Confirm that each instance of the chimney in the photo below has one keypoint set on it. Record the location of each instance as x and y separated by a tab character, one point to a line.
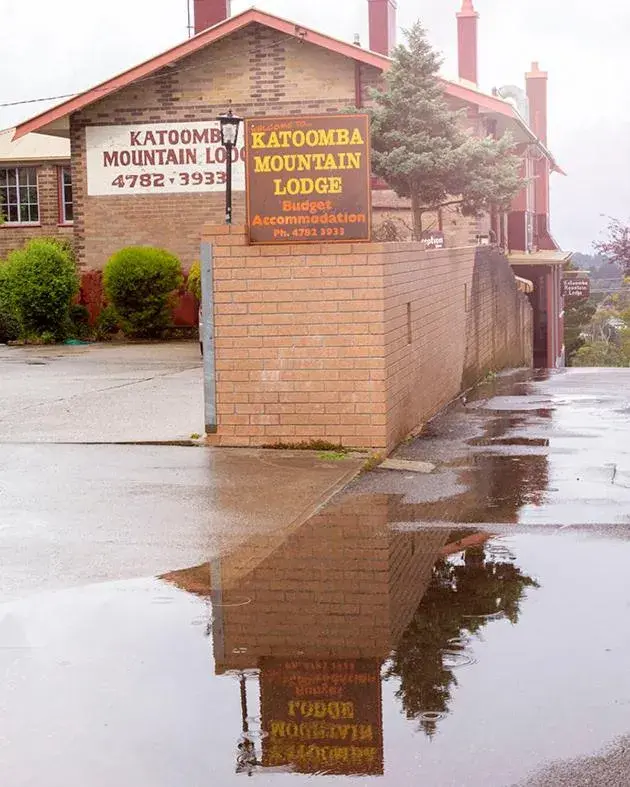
382	26
210	12
467	42
536	81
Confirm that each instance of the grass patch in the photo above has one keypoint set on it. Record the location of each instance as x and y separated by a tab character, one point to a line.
323	446
332	456
373	461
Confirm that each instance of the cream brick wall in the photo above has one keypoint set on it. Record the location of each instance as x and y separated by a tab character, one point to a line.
353	343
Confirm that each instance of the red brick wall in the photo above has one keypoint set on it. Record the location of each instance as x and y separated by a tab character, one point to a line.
13	237
353	343
258	70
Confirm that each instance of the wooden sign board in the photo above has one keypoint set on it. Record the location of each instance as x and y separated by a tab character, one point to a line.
308	179
576	289
322	716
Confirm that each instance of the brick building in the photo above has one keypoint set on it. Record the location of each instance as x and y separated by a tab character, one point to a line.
127	192
255	62
35	189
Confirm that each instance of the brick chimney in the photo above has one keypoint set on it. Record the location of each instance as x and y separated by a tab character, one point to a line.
536	81
210	12
382	25
467	20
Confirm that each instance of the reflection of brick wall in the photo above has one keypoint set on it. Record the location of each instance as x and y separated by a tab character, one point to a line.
353	343
342	586
12	237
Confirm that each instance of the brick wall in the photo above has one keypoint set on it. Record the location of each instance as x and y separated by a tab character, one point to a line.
354	343
12	237
258	70
499	319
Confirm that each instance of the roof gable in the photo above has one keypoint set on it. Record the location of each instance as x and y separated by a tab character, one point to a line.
189	47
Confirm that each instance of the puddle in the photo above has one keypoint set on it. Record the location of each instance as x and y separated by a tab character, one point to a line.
395	634
360	652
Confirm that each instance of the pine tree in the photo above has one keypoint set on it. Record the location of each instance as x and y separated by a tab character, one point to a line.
421	148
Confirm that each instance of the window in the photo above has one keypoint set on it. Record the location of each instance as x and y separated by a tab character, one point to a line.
19	201
66	214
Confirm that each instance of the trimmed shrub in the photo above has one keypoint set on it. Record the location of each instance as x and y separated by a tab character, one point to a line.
107	323
9	323
40	282
79	321
141	282
193	284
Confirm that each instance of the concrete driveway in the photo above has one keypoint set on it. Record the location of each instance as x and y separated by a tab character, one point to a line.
101	393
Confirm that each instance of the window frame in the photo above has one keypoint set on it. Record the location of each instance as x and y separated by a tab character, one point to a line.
16	168
61	196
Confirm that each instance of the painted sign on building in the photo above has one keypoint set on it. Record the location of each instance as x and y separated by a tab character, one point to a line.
576	289
159	158
322	716
308	179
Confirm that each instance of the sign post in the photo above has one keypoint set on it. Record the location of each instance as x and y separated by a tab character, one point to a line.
308	179
207	336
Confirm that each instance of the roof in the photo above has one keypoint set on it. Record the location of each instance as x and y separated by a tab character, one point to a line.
539	257
33	147
55	121
41	122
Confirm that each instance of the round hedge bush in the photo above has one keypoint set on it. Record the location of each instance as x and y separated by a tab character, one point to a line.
40	282
140	282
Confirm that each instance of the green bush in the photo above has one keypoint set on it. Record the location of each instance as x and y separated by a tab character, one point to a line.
9	326
107	323
9	323
65	244
40	281
141	282
79	326
194	280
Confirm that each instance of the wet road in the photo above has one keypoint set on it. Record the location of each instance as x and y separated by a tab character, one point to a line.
463	628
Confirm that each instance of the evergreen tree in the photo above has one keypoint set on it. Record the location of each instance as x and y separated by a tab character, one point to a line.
421	148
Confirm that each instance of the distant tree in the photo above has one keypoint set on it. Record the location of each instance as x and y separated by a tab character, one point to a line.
616	247
577	317
421	148
599	353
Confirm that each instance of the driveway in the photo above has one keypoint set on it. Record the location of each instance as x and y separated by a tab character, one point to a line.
104	393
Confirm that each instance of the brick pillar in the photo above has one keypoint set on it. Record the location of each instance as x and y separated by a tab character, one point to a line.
467	48
382	16
210	12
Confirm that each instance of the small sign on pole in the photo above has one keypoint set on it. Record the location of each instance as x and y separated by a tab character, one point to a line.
308	179
576	289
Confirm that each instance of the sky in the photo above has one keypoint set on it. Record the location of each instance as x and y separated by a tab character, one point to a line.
53	47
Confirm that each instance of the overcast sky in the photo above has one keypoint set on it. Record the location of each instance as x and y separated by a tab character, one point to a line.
52	47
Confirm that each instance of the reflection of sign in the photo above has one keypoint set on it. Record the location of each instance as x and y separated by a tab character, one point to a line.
159	158
308	179
322	716
433	239
576	289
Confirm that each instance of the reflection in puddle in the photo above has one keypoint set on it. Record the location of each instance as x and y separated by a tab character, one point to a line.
343	601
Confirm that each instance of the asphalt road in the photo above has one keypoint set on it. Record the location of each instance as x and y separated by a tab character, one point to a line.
503	664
